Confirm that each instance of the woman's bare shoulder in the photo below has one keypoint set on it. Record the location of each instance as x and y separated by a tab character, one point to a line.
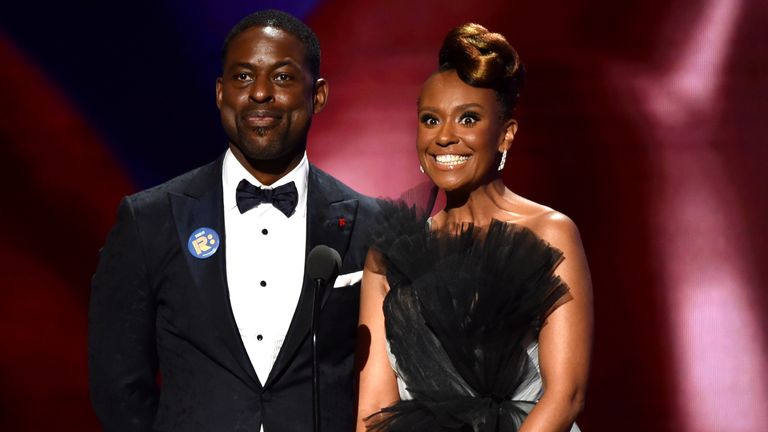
551	225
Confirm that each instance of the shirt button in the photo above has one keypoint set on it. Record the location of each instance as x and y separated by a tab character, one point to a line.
263	283
259	337
264	231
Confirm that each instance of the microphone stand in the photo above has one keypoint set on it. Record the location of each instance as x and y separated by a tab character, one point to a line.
319	283
323	264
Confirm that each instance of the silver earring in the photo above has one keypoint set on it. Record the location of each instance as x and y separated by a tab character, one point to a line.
421	168
503	160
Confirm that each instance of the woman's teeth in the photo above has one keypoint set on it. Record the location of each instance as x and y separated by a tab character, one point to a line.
451	160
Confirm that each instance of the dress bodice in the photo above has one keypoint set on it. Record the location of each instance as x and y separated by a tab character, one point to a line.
462	318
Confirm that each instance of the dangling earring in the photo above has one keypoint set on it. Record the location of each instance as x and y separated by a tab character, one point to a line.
503	160
421	168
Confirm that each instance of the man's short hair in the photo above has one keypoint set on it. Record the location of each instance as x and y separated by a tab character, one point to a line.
283	21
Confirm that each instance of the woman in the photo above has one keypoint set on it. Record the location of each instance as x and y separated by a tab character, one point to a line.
479	318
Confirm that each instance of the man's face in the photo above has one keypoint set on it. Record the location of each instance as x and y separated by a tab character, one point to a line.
267	95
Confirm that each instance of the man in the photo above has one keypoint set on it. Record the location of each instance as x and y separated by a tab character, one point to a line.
202	278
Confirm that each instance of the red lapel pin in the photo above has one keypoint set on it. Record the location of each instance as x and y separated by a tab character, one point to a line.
342	223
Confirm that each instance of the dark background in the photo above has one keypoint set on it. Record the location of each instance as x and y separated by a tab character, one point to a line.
645	121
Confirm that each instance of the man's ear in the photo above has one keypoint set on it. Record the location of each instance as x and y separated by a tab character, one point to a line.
219	83
321	95
510	129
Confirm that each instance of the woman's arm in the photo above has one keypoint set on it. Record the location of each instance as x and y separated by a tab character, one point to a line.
565	340
378	384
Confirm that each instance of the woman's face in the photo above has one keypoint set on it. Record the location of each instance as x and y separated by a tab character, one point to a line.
461	132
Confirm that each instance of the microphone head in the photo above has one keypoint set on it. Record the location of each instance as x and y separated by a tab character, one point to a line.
323	263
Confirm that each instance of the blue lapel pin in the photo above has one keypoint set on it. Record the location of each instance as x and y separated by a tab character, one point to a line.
203	243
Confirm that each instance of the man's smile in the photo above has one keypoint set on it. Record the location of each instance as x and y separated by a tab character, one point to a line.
261	118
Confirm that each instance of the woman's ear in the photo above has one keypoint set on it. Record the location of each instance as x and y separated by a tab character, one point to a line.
510	129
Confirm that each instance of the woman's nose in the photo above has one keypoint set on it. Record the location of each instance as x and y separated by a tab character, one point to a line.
446	135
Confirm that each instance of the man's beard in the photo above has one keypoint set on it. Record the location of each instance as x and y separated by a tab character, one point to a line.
268	142
273	146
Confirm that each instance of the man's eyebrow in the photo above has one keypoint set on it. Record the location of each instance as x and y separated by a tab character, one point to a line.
287	62
243	65
276	65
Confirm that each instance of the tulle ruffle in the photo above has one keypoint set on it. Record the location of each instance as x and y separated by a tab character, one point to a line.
461	311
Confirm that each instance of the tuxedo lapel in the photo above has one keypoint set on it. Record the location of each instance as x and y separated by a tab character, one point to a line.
201	206
330	221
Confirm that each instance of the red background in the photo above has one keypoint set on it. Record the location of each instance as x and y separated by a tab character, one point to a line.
643	121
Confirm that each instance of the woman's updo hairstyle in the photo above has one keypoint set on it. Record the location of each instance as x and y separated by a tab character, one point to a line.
484	59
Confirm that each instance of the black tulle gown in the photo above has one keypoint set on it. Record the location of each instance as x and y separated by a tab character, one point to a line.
462	319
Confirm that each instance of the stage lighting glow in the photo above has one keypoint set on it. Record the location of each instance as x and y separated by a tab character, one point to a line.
723	376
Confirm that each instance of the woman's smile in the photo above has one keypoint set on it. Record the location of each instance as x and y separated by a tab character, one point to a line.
450	161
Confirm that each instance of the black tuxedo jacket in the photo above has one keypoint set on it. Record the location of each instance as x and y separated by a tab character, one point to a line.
154	307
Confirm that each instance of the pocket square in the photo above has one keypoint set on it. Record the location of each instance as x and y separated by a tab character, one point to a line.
348	279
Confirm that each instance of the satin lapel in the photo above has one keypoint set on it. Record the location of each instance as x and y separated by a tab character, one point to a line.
201	207
330	220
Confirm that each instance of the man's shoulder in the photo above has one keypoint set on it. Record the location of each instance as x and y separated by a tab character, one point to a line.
340	190
191	182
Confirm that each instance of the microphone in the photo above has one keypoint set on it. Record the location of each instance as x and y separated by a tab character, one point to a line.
323	264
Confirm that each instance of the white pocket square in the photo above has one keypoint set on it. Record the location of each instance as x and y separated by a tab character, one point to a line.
348	279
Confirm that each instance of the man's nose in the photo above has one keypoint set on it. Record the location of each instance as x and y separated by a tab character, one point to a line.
262	90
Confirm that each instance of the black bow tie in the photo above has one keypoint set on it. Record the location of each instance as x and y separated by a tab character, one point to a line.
284	197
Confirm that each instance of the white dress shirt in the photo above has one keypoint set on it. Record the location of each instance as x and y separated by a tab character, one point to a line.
265	253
